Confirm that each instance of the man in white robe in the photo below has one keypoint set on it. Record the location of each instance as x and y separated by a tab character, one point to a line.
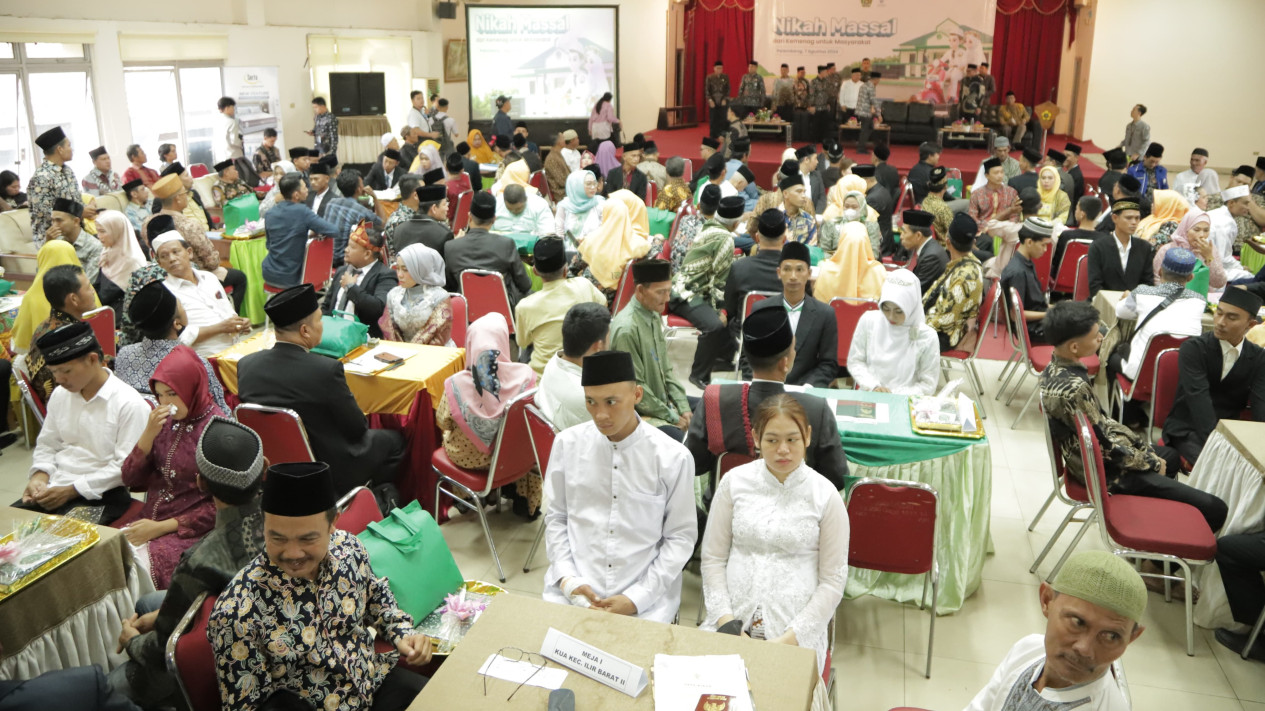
620	524
1224	230
1092	612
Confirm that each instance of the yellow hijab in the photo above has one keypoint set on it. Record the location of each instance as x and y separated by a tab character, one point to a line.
836	196
608	249
1050	197
482	154
637	216
35	307
1168	206
516	173
852	271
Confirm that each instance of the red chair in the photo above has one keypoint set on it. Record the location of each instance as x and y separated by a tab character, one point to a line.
1070	492
1033	360
968	358
281	431
1080	292
460	319
847	314
906	193
1164	378
485	293
1042	266
1147	528
512	459
688	175
102	322
624	292
686	208
318	265
538	181
1139	388
748	305
652	192
541	433
197	170
1065	281
190	659
356	510
32	398
461	216
893	530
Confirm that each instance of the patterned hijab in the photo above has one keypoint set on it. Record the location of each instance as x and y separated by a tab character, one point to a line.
478	395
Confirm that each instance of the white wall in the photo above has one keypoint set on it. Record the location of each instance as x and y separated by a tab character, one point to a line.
1191	64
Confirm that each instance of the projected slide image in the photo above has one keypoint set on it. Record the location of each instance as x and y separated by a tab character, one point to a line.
553	62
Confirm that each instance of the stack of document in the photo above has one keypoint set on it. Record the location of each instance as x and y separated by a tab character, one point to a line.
679	682
367	363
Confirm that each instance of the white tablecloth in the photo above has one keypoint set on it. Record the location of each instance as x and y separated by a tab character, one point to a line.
1224	471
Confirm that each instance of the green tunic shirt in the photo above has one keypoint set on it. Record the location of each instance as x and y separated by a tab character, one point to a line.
640	333
705	268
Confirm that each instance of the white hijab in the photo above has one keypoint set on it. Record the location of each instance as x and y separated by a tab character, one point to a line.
897	343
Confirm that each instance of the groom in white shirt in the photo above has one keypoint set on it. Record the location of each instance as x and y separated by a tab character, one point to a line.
621	524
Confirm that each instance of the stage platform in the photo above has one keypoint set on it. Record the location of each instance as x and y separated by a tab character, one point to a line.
766	154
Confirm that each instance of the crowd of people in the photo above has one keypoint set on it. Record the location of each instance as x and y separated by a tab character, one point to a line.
617	497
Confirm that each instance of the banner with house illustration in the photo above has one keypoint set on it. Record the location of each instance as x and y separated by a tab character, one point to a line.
922	48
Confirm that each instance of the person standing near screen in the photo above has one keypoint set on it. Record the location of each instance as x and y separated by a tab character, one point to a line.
501	123
717	90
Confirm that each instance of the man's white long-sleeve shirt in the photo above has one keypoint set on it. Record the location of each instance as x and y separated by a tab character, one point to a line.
621	516
83	442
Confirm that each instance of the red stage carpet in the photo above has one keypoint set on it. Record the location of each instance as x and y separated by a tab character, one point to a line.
766	154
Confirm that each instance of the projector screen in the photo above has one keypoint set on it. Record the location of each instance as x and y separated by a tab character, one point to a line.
553	62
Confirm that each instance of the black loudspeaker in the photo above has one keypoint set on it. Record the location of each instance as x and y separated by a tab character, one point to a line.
357	93
344	93
446	10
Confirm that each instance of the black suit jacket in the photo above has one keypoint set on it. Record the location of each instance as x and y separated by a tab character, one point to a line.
887	176
377	178
817	191
1203	398
932	262
472	170
1078	187
816	343
1023	180
314	386
824	454
615	181
882	201
755	273
1104	265
421	229
330	195
481	249
919	175
370	295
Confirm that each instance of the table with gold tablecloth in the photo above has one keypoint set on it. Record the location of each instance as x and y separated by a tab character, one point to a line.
360	138
72	616
403	398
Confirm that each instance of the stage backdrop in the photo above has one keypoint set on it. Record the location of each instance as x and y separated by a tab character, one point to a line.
554	62
921	48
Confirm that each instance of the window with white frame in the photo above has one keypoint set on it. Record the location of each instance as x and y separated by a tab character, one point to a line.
42	85
180	100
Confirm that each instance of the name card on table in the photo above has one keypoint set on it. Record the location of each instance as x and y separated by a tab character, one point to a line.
594	663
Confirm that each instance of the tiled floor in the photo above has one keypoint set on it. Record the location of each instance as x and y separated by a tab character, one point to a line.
880	647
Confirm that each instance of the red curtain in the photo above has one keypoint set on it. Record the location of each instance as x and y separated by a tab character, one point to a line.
716	29
1028	47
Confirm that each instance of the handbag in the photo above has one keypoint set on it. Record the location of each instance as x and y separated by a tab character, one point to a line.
239	211
342	334
408	550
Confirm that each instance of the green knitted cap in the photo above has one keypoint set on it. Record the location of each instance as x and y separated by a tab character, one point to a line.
1105	580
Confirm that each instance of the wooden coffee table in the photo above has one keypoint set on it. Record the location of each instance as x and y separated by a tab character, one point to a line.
978	136
769	128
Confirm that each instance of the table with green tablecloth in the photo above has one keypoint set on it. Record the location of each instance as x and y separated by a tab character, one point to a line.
961	472
660	221
248	255
1251	259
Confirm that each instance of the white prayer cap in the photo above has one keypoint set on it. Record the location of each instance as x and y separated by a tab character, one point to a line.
387	138
164	238
1235	192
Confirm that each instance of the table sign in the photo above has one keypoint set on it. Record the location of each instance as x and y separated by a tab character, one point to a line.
594	663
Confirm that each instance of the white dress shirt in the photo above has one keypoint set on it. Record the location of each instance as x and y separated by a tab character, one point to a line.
228	142
417	120
621	517
793	312
536	217
572	158
1229	356
727	188
319	199
1181	318
83	442
342	290
1123	250
206	304
1206	179
1023	664
560	395
848	93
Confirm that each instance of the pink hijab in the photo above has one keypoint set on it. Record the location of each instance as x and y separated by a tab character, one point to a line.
1216	270
478	395
606	159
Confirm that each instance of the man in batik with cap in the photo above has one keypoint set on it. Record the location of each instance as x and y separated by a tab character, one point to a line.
942	215
290	375
229	185
538	317
722	420
1010	166
638	330
101	180
698	288
621	524
292	629
53	179
67	225
230	463
1093	612
816	332
716	88
94	419
174	197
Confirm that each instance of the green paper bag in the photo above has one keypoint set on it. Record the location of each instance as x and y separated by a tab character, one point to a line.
408	550
1199	280
342	334
239	211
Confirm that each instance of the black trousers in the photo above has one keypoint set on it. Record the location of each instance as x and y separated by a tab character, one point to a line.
1166	486
863	135
717	120
1188	447
1134	410
1241	558
112	504
824	125
236	279
714	340
396	693
672	430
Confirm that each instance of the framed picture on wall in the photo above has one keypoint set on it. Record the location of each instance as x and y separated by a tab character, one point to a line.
455	69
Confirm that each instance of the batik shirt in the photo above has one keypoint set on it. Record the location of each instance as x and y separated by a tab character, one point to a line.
98	183
941	215
265	157
272	632
802	227
1067	389
705	267
751	90
819	93
402	214
137	362
222	192
49	182
685	234
867	102
672	195
954	298
801	94
326	134
717	88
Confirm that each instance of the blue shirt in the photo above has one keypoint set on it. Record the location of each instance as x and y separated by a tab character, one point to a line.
286	227
345	213
502	125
